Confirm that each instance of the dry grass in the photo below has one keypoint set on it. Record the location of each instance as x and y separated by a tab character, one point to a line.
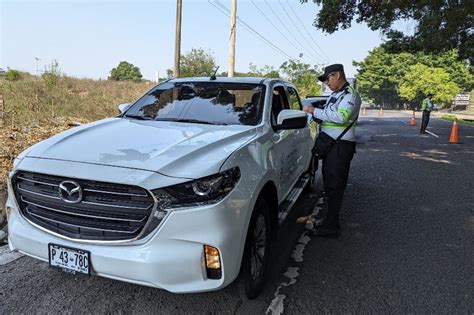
36	101
34	109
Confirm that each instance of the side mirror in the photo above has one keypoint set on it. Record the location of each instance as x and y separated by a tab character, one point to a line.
291	119
123	107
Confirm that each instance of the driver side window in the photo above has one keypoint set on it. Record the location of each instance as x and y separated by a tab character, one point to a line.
279	102
294	99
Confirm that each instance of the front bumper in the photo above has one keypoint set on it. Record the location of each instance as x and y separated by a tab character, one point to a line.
170	258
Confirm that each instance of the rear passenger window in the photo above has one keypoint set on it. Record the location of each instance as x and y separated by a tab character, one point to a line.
293	99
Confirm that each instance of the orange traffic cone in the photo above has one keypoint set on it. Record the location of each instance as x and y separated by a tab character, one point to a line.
381	111
454	137
363	111
413	120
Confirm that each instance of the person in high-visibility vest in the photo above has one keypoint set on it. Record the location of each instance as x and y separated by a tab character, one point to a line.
337	124
426	107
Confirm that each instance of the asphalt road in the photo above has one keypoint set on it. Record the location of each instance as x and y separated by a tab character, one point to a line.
407	244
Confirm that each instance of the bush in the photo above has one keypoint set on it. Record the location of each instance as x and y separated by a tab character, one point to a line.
12	75
51	74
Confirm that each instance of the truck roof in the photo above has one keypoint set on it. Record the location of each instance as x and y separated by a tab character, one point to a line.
252	80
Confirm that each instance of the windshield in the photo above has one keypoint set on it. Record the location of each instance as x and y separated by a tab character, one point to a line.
201	102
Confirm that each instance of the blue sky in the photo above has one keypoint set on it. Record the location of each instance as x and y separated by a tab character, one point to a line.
89	38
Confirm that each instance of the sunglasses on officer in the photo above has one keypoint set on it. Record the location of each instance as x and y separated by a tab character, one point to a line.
329	75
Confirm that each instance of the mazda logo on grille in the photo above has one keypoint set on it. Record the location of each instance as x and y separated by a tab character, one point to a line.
70	191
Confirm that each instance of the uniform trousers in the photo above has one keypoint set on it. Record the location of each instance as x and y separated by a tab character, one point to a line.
425	119
335	171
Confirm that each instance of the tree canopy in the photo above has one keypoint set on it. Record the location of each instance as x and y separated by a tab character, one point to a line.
197	63
441	25
391	79
303	76
264	72
421	80
125	72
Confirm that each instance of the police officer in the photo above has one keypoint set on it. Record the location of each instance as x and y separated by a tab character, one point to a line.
340	111
426	107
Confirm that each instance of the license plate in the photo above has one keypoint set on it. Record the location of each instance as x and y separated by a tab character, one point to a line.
69	259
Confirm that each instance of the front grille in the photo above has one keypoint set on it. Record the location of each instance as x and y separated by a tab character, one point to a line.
105	211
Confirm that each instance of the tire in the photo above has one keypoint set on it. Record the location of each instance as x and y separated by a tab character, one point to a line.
311	184
257	250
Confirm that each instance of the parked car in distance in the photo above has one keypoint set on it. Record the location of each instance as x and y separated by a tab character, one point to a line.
183	191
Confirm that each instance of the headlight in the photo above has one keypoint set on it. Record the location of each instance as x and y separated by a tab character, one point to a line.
206	190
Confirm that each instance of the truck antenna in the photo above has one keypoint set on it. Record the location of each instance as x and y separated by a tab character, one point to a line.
213	76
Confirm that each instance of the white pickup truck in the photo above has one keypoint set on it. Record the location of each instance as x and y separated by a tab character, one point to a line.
183	191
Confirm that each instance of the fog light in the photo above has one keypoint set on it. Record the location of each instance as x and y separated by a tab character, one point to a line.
213	262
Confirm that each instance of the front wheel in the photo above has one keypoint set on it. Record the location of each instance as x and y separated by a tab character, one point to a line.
257	250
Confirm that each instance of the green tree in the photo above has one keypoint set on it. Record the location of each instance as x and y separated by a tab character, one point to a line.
381	74
441	25
303	76
197	63
264	72
421	80
460	72
125	72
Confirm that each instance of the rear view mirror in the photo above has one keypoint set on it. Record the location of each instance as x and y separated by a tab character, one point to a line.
291	119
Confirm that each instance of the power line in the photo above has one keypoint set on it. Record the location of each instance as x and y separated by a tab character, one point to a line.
294	37
273	24
225	11
251	29
298	29
309	34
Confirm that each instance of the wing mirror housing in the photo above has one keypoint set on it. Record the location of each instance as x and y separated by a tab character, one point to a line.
123	107
291	119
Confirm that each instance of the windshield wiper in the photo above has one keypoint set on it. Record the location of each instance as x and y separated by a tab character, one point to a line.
139	117
193	121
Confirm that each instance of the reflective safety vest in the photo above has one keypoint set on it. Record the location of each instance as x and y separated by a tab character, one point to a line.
340	110
426	104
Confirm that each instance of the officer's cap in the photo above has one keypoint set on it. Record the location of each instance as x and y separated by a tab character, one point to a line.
331	68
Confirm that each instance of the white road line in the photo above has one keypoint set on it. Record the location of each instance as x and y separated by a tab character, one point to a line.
277	305
432	133
7	256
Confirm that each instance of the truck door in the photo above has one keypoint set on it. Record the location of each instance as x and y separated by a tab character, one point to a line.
303	141
285	149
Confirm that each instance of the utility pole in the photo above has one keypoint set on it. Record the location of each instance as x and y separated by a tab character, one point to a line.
233	15
177	46
37	70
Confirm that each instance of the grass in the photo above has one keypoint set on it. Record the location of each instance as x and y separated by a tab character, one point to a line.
36	108
36	101
460	121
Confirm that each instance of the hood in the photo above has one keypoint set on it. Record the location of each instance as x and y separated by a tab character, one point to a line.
170	148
